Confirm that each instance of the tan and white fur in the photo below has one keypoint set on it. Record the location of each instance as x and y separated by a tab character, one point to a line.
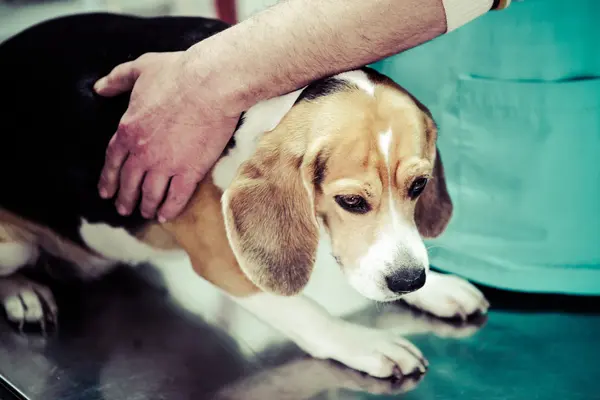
254	224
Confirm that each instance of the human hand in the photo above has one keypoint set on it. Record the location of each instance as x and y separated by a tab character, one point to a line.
170	136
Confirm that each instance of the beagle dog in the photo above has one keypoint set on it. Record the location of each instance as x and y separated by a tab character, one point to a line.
349	161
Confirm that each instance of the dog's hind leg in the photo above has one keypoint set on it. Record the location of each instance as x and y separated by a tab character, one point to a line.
23	300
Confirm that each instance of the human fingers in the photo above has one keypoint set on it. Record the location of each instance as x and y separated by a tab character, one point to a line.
180	191
121	79
129	185
116	154
153	191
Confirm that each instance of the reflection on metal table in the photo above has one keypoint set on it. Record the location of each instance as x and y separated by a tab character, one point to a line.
126	338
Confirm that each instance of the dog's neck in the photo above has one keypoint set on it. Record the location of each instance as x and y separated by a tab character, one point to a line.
257	121
210	255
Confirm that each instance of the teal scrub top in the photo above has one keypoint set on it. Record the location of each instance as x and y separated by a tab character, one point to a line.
516	95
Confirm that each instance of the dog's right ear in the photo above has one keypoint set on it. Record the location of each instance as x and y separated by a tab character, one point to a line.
269	214
434	207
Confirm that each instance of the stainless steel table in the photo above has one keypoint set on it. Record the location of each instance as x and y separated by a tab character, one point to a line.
123	338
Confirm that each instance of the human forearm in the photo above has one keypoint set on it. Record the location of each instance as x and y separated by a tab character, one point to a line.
184	106
297	41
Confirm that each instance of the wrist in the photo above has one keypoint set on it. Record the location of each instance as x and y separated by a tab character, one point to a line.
251	63
220	79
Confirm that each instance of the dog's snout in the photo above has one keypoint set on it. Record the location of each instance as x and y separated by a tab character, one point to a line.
406	280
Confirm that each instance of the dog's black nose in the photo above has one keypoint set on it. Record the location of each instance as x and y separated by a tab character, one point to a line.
406	280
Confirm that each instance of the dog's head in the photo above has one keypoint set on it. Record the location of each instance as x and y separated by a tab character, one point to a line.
356	154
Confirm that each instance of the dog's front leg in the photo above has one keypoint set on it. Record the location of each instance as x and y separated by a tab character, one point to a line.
376	352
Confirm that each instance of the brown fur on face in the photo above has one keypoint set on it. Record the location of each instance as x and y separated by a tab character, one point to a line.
323	148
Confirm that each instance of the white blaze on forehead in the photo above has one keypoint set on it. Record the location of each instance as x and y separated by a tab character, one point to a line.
394	237
385	146
385	141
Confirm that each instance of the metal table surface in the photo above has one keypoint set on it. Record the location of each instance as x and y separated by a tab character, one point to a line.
124	338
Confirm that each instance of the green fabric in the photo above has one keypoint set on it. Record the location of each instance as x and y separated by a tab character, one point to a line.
516	95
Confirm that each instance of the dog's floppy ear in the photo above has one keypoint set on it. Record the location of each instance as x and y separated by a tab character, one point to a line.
434	206
269	214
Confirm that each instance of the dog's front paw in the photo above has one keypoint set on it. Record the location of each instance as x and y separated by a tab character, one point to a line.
27	303
448	296
379	353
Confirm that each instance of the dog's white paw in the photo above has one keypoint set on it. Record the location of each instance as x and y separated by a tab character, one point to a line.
448	296
27	302
379	353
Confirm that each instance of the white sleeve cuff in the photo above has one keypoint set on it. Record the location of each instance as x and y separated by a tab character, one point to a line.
461	12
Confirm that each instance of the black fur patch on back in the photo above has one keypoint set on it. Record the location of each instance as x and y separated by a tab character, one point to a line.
323	87
55	128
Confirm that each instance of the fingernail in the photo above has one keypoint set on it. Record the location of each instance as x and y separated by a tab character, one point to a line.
162	219
103	193
121	209
99	84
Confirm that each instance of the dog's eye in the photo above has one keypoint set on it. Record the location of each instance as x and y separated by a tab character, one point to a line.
353	203
417	187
